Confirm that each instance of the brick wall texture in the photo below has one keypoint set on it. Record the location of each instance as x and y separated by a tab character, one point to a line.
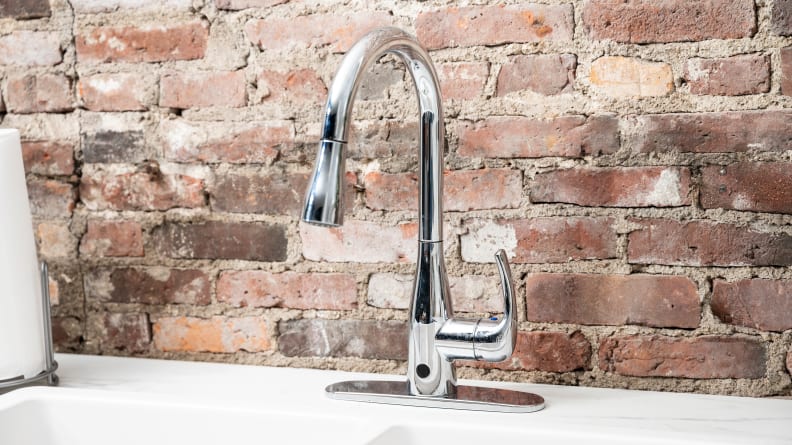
634	158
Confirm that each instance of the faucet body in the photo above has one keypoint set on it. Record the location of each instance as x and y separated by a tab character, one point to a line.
436	338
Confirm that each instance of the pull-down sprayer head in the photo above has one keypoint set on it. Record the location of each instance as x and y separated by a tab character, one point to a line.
324	204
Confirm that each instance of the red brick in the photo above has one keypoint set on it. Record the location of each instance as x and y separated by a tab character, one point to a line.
647	300
519	137
55	241
547	74
216	334
105	190
302	85
258	288
41	49
494	25
25	9
67	333
200	90
540	240
786	71
360	242
462	80
755	303
114	92
251	241
545	351
781	17
614	187
339	32
648	21
178	41
464	190
204	142
44	93
236	5
730	76
373	339
470	293
105	238
48	158
694	358
627	77
726	132
705	243
125	332
755	186
51	199
151	285
273	194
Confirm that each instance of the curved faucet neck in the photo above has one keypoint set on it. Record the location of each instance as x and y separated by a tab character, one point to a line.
338	114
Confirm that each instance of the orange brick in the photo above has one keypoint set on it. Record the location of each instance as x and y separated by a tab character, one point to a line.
113	92
200	90
494	25
216	334
257	288
520	137
55	240
44	93
302	85
182	41
628	77
339	32
464	190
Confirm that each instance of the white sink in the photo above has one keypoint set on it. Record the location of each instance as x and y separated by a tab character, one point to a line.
135	401
72	417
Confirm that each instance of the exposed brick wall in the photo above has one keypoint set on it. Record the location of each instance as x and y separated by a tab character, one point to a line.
633	157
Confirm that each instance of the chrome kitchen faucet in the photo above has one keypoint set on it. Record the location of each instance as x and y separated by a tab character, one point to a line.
436	337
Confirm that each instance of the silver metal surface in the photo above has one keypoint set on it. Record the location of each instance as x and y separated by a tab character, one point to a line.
46	377
473	398
436	338
485	339
324	204
49	349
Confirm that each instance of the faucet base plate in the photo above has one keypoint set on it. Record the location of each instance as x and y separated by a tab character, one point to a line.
473	398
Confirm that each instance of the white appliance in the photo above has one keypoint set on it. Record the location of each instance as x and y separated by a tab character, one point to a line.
25	331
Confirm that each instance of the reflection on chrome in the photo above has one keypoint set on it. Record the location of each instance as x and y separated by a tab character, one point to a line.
436	337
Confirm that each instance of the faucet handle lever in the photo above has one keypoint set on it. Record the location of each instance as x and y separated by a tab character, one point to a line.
486	339
507	288
495	339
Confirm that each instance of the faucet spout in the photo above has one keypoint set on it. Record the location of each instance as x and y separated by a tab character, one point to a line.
435	337
323	202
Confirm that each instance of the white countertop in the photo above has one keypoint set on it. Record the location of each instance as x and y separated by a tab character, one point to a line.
614	416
